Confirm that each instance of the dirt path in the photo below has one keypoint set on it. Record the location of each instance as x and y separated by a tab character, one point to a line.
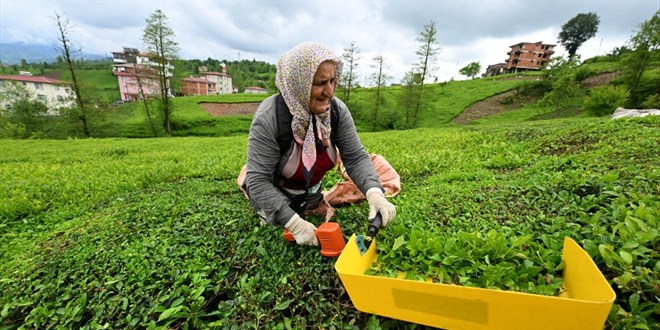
228	109
493	105
488	107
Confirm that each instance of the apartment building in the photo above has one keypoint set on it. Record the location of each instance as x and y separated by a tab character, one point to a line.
221	79
55	94
137	74
526	56
198	86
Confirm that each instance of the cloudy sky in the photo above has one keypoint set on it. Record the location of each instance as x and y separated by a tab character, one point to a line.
468	31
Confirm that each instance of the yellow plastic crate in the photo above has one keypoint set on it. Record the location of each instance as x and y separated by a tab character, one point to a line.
584	304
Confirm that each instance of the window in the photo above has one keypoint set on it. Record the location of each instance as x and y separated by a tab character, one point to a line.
60	98
38	86
42	98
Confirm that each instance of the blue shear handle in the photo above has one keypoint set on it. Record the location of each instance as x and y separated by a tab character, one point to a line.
375	225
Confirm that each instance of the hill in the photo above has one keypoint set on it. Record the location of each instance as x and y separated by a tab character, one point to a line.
14	53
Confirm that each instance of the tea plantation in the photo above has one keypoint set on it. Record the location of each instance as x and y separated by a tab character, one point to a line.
154	233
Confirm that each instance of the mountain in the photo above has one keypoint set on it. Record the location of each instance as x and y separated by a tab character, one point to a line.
13	53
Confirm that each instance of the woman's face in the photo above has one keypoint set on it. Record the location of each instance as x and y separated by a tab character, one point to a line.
323	87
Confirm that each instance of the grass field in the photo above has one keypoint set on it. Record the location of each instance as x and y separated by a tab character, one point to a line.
154	233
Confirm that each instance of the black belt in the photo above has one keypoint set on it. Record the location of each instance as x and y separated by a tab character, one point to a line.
303	202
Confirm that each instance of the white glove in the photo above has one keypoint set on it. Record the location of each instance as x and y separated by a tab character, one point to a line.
303	231
378	203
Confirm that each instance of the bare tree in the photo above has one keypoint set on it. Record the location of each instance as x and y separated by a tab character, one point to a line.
350	57
66	52
139	72
158	38
379	77
427	52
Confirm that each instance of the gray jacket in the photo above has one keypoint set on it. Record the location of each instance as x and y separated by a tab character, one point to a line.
263	160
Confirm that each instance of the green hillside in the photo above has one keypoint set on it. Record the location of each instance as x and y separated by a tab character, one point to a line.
101	85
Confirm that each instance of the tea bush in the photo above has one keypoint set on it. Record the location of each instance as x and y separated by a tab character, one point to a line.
154	233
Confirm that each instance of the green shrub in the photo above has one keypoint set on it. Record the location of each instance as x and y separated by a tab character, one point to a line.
604	100
582	73
652	102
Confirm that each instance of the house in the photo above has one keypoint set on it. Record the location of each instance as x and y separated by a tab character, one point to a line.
56	94
221	79
198	86
137	74
495	69
255	90
526	56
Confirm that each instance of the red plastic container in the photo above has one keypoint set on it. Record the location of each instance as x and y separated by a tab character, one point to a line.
331	239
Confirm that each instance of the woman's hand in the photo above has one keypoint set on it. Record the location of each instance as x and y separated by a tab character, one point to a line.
378	203
303	231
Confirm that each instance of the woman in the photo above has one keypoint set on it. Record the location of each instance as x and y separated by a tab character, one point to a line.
282	182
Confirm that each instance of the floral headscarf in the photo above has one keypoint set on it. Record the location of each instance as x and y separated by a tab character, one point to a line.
294	77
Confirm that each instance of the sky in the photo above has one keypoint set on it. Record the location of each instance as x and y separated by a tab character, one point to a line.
468	31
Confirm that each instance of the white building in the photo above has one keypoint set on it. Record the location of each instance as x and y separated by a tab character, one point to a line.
55	94
255	90
221	79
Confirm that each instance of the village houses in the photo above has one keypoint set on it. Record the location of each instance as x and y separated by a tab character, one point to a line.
208	83
137	74
55	94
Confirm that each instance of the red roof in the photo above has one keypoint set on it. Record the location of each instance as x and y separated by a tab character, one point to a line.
198	80
214	73
33	79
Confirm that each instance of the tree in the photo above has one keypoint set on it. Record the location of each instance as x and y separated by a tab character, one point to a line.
158	38
140	73
79	112
379	77
349	75
409	94
561	75
427	53
645	45
577	30
471	70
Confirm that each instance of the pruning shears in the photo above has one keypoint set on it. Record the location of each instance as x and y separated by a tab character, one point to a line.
364	242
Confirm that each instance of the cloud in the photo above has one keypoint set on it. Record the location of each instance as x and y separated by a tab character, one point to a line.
467	30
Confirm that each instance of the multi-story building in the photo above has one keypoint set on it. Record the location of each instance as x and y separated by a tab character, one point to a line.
197	86
221	79
55	94
528	56
137	74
